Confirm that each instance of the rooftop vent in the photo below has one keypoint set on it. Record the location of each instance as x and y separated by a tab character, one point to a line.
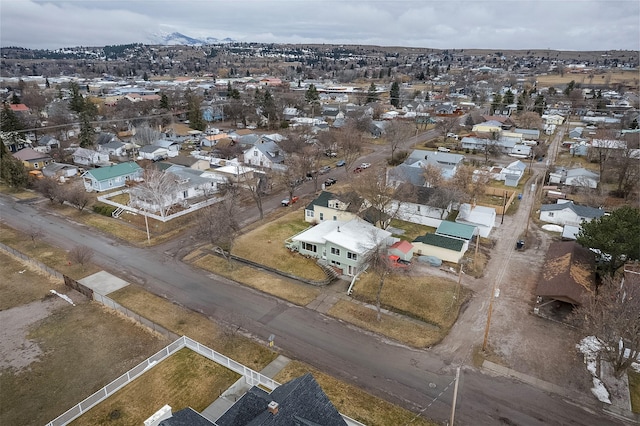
273	407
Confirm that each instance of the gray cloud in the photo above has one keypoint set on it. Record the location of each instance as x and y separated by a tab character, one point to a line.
497	24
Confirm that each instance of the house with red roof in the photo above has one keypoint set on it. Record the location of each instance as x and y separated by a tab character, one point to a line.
403	249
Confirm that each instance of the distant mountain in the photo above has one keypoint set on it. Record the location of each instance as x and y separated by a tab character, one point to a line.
179	39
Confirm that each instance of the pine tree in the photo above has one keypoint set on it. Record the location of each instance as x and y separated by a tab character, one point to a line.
394	94
164	101
372	94
87	132
9	121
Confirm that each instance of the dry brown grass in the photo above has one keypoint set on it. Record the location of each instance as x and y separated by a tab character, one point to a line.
183	380
53	257
413	333
183	321
352	401
412	230
426	298
283	288
23	282
626	77
265	245
84	347
634	390
21	194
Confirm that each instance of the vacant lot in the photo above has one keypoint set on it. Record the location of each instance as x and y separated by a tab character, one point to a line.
54	354
625	77
265	245
354	402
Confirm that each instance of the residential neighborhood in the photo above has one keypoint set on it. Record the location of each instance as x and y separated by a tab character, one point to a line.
331	222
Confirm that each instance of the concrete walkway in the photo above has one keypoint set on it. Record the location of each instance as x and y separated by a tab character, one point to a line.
239	388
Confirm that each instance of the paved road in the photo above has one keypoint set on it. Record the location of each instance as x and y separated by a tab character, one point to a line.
416	379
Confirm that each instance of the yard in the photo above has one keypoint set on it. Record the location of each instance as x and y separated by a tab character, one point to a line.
634	390
354	402
186	379
54	354
429	299
265	245
411	230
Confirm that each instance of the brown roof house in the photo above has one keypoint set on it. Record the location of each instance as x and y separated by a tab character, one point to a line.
33	159
568	274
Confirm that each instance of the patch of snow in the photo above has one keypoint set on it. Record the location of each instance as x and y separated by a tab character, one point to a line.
590	346
63	296
636	366
552	228
600	391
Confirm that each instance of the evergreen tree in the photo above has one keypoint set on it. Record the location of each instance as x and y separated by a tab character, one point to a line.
15	99
196	121
311	95
77	100
508	97
9	121
538	104
496	104
12	171
145	76
46	83
87	132
394	94
372	94
164	101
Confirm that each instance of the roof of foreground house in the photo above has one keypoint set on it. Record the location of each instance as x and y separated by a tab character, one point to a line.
114	170
582	211
299	402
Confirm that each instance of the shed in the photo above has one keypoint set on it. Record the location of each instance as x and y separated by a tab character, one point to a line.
461	231
403	249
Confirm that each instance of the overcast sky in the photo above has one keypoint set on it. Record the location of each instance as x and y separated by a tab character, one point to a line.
497	24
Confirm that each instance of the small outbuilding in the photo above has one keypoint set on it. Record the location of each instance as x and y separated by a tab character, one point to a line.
403	249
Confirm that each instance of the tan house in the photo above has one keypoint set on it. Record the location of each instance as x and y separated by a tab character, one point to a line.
32	159
440	246
329	206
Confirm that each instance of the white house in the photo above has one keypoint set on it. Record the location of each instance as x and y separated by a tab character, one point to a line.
480	216
567	213
343	245
581	177
412	170
420	205
329	206
512	174
153	153
89	157
264	154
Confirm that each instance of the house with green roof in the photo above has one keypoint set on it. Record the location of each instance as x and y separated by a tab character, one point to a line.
111	177
445	248
461	231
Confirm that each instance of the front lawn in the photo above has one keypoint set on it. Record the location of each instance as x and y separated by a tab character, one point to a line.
265	245
433	300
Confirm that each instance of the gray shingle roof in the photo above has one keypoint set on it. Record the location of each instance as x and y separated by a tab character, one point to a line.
582	211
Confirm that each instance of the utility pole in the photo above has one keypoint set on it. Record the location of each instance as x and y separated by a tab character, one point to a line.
455	397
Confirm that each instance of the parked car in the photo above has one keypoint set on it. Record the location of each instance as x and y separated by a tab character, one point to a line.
358	170
341	163
443	149
286	202
324	169
330	154
329	182
365	165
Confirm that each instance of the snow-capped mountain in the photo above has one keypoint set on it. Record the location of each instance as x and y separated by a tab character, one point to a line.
179	39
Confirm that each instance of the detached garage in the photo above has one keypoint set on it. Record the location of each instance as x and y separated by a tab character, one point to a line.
445	248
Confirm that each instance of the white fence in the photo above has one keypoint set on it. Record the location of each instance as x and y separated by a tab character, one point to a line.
252	377
191	208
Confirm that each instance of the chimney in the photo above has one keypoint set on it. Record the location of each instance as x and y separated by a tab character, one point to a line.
273	407
338	229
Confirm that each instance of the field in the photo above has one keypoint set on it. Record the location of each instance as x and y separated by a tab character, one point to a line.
630	78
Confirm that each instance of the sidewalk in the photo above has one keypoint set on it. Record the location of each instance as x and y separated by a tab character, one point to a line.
239	388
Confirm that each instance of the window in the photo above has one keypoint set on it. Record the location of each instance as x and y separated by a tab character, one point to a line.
255	153
335	251
36	165
309	213
352	256
550	214
333	262
321	216
335	218
418	209
310	247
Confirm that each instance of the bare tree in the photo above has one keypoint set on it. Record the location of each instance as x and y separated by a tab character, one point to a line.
158	192
146	135
396	133
257	186
432	176
446	125
218	225
350	143
466	182
378	197
611	316
35	234
293	175
602	147
77	196
379	265
626	170
48	187
528	120
81	254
